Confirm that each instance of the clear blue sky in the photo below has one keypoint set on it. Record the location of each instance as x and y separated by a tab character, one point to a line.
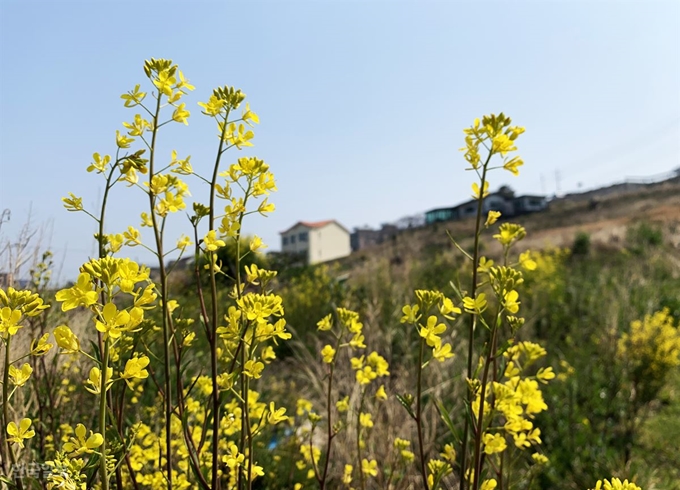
362	104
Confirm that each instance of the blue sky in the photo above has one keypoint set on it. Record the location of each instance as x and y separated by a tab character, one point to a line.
362	104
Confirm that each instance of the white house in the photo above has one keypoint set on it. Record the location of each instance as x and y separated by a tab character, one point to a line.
320	241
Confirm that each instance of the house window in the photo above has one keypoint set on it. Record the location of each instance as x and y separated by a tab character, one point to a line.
303	236
285	240
292	239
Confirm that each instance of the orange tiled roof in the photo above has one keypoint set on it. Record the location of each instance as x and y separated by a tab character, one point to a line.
314	224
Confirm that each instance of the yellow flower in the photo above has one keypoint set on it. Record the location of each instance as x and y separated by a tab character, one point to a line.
494	443
211	242
447	309
20	376
112	322
100	163
256	244
401	443
181	114
9	320
369	468
476	305
325	323
80	445
164	82
616	484
132	237
146	220
484	265
492	217
502	144
512	165
134	97
527	262
489	484
478	193
328	354
256	471
73	203
276	415
114	241
123	141
343	404
40	346
82	293
95	380
213	107
442	352
511	303
545	374
135	368
347	474
431	331
407	455
66	339
138	126
233	459
449	453
265	207
381	394
183	242
510	232
539	458
365	420
18	434
410	314
253	369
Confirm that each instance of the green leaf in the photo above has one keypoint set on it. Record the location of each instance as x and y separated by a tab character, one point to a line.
406	404
444	414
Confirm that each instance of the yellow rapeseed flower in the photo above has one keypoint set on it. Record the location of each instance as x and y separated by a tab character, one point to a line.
328	354
41	346
20	376
17	434
494	443
81	443
82	293
66	339
369	468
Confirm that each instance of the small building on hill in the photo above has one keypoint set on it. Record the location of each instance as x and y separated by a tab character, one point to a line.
362	238
318	241
504	201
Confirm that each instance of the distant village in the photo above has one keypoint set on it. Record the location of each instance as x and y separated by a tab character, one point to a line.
322	241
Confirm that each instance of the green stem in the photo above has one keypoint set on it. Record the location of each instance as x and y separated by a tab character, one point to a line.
473	321
102	415
212	332
482	396
361	471
164	302
329	415
102	214
419	419
5	407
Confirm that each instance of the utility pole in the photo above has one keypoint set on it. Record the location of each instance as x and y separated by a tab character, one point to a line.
558	182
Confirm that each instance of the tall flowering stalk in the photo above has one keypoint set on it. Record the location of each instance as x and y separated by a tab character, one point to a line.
501	393
238	351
